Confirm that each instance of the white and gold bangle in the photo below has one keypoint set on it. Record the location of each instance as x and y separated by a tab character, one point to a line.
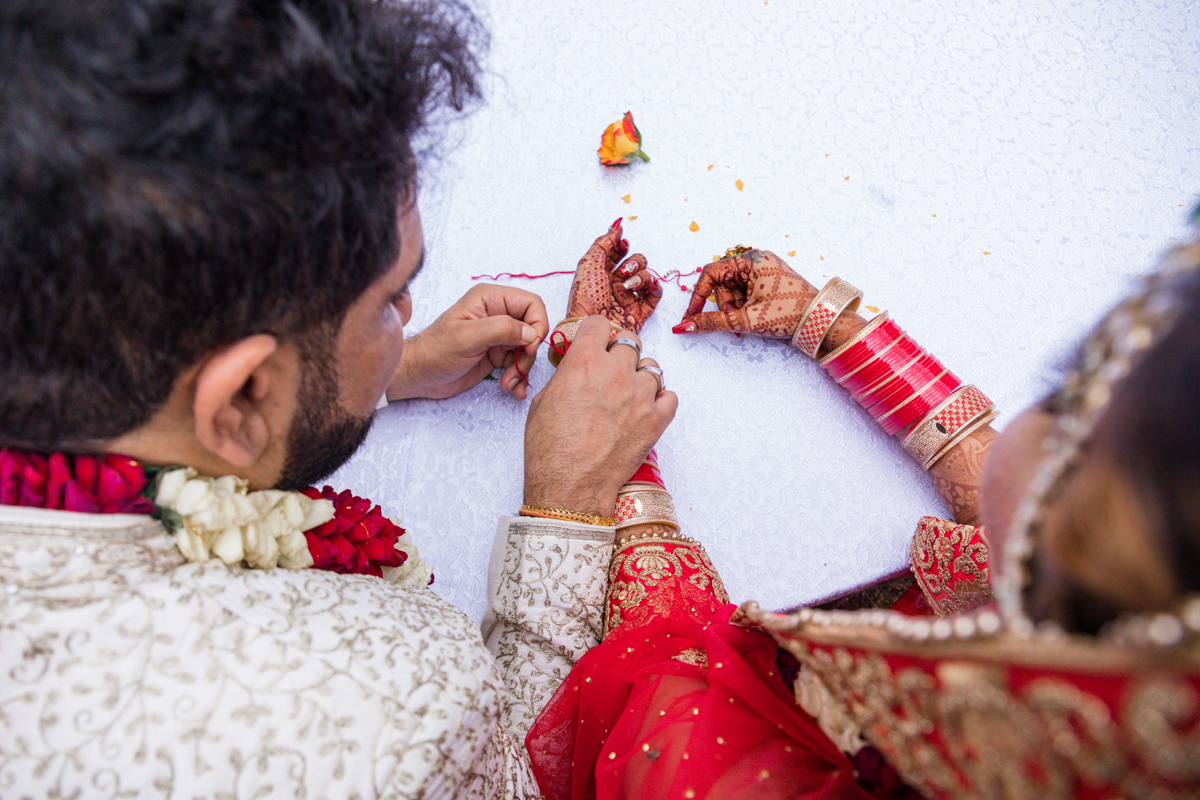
837	296
941	424
962	434
639	504
564	333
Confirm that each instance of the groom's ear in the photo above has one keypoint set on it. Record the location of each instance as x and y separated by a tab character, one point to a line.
236	394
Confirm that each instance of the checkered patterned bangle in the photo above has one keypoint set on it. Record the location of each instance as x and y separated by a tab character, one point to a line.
569	516
822	312
963	433
941	426
639	504
564	333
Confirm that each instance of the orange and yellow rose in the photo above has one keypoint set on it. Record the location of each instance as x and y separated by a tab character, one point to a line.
620	143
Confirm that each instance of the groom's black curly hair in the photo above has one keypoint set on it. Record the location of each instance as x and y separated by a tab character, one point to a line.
179	174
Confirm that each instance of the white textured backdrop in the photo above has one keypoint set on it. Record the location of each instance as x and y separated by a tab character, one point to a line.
992	173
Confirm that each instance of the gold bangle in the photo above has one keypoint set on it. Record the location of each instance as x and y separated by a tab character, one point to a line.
944	421
568	328
569	516
639	504
966	431
824	310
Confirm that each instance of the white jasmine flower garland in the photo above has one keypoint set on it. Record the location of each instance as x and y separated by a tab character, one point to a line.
220	517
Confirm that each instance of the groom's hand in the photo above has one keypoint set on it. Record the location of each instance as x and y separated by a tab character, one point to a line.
490	327
592	424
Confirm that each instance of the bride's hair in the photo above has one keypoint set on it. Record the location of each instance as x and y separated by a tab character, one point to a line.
1143	462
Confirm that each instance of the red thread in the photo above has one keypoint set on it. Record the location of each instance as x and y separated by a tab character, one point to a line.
562	351
517	364
522	275
676	277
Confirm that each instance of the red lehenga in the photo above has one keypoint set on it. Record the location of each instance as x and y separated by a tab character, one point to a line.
681	702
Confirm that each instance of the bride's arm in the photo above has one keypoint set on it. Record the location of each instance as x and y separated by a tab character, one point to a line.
880	364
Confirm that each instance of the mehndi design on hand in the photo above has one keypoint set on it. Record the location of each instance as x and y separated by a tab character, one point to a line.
755	292
625	294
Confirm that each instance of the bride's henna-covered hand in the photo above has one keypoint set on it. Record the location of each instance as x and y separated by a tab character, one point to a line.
755	292
625	294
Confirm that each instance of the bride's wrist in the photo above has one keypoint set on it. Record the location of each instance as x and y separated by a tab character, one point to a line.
843	330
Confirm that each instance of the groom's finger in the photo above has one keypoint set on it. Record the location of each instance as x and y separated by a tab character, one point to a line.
501	331
518	304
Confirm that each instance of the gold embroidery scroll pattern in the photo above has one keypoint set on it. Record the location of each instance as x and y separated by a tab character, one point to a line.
704	574
1155	712
968	735
934	562
636	570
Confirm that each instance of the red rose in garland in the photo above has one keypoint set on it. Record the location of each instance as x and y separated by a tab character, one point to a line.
359	539
102	484
220	517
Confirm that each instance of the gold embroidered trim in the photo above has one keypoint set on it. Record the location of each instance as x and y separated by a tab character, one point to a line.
963	732
560	531
641	565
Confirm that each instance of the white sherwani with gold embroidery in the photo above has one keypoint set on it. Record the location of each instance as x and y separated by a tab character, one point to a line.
125	671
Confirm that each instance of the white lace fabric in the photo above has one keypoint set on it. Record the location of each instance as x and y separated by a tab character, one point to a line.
125	670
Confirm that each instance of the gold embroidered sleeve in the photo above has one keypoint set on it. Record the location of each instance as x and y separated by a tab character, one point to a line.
642	566
950	562
546	586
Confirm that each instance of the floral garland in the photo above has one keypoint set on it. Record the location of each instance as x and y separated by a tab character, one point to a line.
220	517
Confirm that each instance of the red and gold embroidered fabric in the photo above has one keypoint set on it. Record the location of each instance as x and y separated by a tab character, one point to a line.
950	562
641	566
998	716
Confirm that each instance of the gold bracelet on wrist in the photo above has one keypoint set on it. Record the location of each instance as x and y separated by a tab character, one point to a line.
963	433
569	516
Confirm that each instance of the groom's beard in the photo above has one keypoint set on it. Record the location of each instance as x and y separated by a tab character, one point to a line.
323	435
